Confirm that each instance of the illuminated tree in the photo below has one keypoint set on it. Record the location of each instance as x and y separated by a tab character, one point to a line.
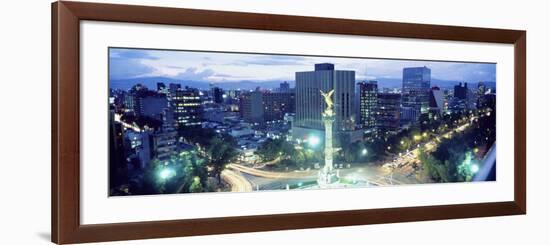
196	186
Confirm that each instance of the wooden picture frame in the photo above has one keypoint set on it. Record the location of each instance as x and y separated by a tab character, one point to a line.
65	177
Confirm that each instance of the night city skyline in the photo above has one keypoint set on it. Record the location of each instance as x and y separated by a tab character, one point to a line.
219	67
192	122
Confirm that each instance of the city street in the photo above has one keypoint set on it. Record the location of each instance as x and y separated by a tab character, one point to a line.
397	172
237	182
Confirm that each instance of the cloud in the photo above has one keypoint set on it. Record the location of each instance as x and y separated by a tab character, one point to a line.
194	75
212	67
468	72
224	75
127	63
271	60
131	54
175	67
127	68
452	71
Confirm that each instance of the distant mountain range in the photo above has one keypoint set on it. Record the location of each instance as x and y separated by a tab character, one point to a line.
151	83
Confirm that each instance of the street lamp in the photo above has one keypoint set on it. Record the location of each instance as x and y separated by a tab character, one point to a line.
474	168
364	152
166	173
313	140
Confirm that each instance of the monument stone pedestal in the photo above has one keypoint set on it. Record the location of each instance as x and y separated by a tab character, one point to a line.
328	179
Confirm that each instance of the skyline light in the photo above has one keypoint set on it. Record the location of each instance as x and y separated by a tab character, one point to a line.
216	67
192	122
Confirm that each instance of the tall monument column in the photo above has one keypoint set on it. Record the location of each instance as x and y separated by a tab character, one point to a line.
328	121
327	175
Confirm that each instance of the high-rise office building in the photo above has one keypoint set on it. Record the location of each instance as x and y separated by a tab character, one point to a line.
488	101
172	88
284	87
409	115
144	102
233	94
461	92
463	98
310	104
482	90
251	106
389	112
161	87
217	95
171	93
416	89
485	96
186	106
263	106
131	103
117	162
368	103
151	104
277	104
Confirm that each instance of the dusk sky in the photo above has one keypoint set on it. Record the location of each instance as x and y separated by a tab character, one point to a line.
231	67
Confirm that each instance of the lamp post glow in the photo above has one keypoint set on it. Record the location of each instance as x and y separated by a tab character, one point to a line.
313	141
474	168
364	152
166	173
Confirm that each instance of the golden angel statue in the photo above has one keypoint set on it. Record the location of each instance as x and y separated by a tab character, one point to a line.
328	98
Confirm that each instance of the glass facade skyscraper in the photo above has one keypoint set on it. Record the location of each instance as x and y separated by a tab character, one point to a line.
416	88
310	104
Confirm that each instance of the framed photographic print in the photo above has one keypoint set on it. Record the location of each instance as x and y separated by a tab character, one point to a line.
177	122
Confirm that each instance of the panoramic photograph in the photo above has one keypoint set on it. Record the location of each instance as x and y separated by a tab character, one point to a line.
186	121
